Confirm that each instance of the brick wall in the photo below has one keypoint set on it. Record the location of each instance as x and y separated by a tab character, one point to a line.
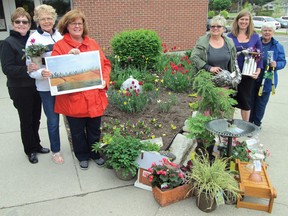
178	22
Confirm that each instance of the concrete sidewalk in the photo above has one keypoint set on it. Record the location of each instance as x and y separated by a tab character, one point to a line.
48	189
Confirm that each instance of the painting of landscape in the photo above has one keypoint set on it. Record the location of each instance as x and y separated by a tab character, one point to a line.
74	73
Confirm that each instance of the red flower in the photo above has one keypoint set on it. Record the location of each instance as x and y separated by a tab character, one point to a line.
140	83
173	72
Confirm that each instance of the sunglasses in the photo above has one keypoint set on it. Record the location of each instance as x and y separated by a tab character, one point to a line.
24	22
216	26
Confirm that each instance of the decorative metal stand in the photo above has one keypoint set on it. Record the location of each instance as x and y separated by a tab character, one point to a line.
230	129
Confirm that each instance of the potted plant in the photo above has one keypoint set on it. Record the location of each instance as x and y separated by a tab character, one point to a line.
197	130
168	182
211	180
121	153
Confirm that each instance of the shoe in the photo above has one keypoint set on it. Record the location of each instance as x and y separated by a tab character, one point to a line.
84	165
43	151
100	162
57	158
33	158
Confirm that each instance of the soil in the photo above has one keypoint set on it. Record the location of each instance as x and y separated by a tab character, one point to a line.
176	116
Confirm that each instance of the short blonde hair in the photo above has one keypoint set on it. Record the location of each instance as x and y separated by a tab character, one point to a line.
44	9
220	20
70	17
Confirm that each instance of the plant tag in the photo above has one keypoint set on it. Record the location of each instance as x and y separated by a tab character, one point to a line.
219	198
257	165
232	165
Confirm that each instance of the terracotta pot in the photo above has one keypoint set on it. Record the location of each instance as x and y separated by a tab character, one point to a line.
170	196
121	174
205	203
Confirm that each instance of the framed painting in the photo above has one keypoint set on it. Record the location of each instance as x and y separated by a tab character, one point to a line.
74	73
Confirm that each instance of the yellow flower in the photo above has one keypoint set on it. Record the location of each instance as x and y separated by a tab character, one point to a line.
156	89
125	103
193	95
169	93
153	136
163	135
156	80
162	81
173	127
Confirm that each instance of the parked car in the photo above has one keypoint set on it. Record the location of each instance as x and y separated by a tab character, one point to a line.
284	17
258	21
283	23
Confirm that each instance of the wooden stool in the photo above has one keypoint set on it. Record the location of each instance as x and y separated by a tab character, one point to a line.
263	189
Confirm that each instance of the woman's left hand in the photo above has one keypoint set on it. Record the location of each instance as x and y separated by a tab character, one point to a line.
74	51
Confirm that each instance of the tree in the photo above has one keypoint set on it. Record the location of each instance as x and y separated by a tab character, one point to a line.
221	4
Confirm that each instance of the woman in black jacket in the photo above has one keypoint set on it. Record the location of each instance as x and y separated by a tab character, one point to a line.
21	87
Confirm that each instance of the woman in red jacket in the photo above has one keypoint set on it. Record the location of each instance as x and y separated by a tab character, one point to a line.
82	109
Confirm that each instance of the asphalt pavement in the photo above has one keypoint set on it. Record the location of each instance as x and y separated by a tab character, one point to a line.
49	189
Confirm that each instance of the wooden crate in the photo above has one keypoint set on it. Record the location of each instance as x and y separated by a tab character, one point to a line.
263	189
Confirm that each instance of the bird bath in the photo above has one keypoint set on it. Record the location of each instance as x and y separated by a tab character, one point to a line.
230	129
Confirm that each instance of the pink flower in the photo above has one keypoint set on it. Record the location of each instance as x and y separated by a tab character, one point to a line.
150	178
153	164
32	40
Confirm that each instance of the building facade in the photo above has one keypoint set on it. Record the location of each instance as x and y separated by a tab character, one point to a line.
178	22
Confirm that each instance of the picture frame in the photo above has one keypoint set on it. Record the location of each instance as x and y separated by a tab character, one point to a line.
74	73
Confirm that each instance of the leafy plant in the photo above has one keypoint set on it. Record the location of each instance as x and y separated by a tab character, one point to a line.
215	100
213	178
35	49
139	48
121	151
167	175
130	102
196	127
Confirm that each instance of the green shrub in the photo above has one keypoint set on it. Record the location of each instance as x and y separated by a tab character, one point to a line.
139	48
211	14
224	13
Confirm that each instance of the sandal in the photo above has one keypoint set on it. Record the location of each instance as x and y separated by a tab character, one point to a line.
57	158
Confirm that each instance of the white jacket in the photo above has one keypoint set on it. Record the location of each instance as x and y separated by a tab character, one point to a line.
42	37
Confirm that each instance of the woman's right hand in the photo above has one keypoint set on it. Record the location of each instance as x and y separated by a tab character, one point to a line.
215	70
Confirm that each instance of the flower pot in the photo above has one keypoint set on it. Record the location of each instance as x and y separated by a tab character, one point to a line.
170	196
123	175
37	60
205	203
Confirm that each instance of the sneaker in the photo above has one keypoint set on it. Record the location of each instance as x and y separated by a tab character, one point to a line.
84	165
100	162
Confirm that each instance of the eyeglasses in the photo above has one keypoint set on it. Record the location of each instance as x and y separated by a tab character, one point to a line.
24	22
216	26
75	24
44	19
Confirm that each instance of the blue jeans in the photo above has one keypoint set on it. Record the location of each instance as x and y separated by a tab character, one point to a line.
259	106
48	102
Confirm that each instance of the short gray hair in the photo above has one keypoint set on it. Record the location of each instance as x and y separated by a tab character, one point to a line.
218	20
269	25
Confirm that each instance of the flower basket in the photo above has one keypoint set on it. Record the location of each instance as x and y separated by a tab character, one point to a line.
170	196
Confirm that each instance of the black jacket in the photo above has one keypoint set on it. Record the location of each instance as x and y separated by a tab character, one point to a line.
12	61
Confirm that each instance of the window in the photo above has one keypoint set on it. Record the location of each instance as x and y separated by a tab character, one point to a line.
2	18
61	6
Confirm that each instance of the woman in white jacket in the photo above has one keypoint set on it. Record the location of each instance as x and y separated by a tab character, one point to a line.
45	17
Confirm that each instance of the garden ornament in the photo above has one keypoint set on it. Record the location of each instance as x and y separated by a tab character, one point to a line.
132	84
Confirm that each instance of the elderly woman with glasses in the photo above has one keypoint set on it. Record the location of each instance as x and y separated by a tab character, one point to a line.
214	51
45	17
21	87
82	109
274	59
